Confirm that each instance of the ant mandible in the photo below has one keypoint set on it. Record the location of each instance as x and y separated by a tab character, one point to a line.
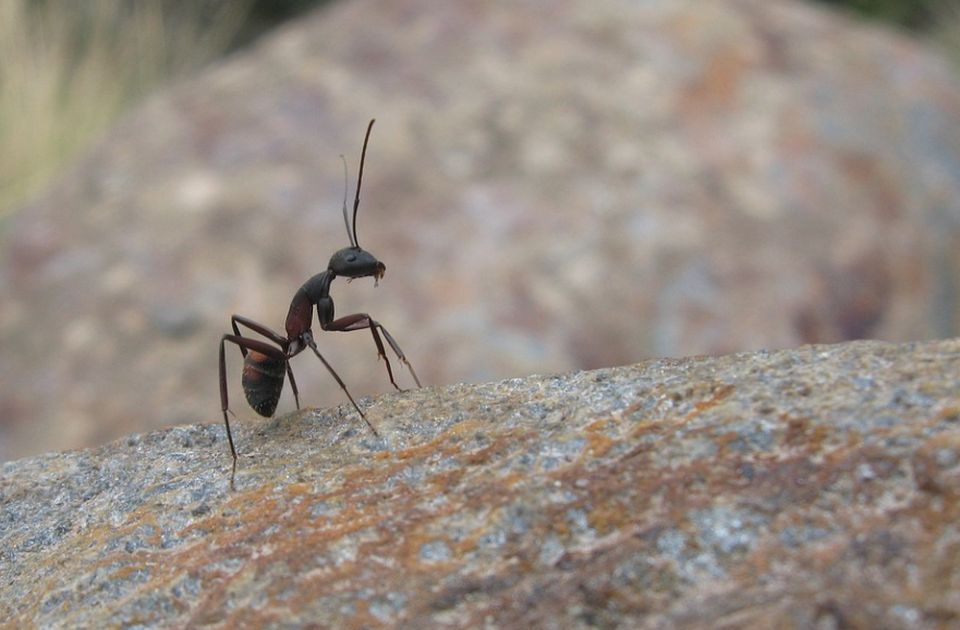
266	363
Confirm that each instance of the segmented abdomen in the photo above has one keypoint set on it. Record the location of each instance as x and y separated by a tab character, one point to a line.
263	381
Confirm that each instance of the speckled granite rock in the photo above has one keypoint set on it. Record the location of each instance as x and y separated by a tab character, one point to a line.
591	187
811	488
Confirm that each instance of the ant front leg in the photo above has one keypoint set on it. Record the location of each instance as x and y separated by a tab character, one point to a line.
359	321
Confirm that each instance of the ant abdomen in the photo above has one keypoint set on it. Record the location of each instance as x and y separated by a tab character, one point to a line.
262	381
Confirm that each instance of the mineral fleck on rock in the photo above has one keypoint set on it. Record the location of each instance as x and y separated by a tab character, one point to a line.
798	488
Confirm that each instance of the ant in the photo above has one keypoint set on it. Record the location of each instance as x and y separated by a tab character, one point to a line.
266	363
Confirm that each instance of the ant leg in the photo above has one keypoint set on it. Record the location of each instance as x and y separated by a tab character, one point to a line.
396	348
313	346
244	343
359	321
293	385
257	327
225	406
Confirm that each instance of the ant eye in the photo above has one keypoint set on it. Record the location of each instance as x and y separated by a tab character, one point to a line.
351	257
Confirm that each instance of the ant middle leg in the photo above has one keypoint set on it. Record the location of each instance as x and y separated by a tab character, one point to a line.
359	321
343	386
293	386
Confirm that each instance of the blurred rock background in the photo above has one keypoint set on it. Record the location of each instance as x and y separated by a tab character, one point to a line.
586	186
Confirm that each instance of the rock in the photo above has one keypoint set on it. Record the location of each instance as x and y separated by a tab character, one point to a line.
817	487
587	187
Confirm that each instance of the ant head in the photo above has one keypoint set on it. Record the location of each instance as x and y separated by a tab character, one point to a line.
354	262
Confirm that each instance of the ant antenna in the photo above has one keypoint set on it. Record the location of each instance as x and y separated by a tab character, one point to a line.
356	201
346	220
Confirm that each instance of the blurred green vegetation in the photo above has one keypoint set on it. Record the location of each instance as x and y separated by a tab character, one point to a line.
69	69
935	20
910	14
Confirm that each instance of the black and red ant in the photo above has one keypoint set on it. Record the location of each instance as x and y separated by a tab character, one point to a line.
266	363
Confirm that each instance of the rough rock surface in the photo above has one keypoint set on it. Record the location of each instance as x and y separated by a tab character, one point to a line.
581	186
817	487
